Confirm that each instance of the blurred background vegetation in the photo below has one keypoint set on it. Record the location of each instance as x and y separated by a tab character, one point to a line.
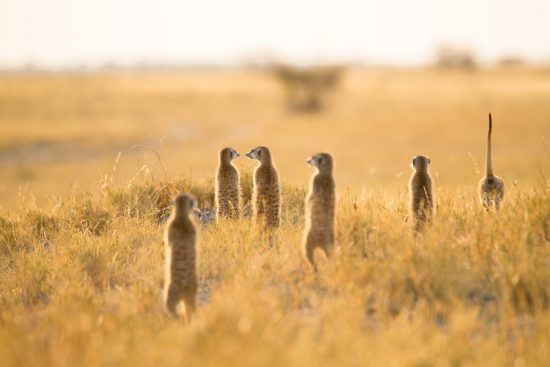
64	132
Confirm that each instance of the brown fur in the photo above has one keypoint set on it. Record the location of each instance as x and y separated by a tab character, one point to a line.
319	209
491	187
227	186
422	205
266	198
180	276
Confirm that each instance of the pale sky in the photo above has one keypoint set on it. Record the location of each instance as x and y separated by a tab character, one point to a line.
69	33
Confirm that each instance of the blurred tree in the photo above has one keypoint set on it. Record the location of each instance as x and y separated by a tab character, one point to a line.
307	88
448	56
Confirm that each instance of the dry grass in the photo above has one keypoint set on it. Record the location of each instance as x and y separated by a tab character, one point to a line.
80	285
81	269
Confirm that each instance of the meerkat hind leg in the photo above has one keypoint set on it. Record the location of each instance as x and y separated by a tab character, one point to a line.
189	303
486	202
310	255
497	203
328	251
272	238
172	303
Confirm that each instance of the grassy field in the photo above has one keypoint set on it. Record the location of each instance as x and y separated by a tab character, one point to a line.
61	133
81	232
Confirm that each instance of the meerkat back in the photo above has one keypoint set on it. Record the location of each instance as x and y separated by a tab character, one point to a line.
180	284
422	205
491	187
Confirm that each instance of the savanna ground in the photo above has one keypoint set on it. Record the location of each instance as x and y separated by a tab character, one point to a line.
81	230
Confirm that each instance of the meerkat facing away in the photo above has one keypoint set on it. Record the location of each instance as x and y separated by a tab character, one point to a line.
491	187
266	197
319	208
422	203
227	186
180	256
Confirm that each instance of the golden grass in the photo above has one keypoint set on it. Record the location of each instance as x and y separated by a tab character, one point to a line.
80	285
81	252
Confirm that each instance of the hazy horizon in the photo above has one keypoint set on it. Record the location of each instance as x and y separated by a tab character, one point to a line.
58	34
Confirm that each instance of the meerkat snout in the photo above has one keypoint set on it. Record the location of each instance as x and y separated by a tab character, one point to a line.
254	154
228	154
197	212
261	154
321	161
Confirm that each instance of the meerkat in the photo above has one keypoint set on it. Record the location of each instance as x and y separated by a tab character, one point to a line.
319	209
266	197
180	271
422	203
491	187
204	216
227	186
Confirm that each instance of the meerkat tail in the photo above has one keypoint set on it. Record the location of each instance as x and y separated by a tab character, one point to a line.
489	163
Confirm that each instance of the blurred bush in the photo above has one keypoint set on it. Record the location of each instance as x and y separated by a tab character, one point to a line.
448	56
307	88
511	61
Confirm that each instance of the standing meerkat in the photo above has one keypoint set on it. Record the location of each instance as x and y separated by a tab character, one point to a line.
319	209
227	186
422	203
180	256
266	197
491	187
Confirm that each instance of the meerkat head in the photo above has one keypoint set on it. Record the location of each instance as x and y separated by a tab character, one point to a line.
197	213
261	154
184	205
420	163
321	161
228	154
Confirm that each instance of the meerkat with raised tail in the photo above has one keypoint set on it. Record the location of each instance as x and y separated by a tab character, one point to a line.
422	205
319	209
227	186
491	187
266	197
180	257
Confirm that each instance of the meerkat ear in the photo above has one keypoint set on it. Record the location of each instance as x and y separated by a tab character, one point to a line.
429	161
414	161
